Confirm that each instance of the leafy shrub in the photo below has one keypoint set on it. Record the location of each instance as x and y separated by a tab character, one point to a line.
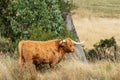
106	43
5	45
39	34
105	49
22	14
66	5
17	16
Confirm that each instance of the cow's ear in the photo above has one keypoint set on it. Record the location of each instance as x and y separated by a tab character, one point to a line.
62	42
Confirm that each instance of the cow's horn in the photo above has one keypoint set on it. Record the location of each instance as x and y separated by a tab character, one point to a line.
77	42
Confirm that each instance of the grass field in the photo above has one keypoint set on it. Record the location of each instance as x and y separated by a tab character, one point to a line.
97	19
66	70
102	8
94	29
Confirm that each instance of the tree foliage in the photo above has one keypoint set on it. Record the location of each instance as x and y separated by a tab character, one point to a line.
19	16
39	13
66	5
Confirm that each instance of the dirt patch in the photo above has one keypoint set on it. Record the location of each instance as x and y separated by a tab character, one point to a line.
93	29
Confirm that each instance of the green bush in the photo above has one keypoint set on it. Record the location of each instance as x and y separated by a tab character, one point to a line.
17	16
105	49
66	5
40	34
20	15
6	45
106	43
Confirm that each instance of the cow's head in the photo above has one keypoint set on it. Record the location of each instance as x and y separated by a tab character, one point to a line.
67	45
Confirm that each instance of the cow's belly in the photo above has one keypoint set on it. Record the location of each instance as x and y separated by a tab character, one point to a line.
42	60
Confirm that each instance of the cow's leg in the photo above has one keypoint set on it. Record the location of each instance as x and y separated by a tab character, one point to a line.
20	63
28	63
29	67
52	65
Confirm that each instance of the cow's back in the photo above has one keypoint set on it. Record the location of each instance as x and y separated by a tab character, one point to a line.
34	47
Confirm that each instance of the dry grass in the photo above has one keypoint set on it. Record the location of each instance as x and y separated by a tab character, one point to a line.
93	29
75	70
66	70
102	8
92	23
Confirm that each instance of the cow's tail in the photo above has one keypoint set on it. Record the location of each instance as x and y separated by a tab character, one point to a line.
20	61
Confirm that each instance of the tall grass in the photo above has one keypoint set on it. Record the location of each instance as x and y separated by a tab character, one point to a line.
103	8
71	69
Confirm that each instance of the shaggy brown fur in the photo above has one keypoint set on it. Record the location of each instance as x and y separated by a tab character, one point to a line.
38	52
